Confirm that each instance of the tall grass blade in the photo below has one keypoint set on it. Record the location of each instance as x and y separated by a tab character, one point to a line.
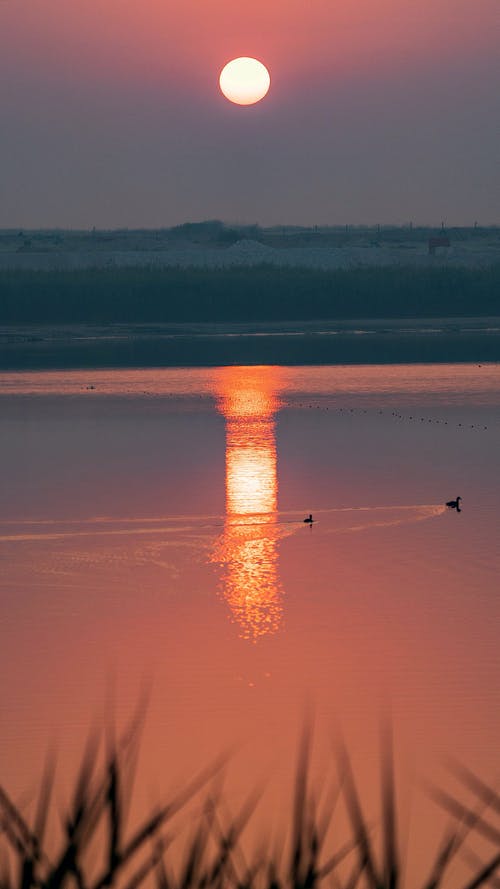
161	878
150	827
366	856
300	827
228	840
29	875
391	855
14	824
476	863
484	875
468	817
145	869
446	852
489	797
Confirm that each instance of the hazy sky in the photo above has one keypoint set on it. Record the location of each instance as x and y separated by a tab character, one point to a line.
383	111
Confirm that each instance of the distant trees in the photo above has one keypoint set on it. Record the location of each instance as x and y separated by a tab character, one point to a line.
213	231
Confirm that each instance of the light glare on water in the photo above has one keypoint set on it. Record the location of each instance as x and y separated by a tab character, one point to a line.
247	550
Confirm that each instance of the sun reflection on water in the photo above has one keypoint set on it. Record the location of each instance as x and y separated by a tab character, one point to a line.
247	549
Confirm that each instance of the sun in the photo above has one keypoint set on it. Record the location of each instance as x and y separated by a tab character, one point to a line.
244	81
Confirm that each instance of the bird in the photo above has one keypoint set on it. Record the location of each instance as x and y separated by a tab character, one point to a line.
454	504
309	520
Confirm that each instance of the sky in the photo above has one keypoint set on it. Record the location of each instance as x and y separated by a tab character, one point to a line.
378	112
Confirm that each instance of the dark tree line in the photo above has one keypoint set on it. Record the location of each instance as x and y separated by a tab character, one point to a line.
263	293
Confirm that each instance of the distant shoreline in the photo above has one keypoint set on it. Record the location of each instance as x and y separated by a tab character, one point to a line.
139	317
213	244
358	341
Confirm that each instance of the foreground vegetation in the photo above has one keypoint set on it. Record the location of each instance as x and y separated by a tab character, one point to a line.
97	851
263	293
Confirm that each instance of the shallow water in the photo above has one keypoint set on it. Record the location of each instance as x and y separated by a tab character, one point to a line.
340	342
151	527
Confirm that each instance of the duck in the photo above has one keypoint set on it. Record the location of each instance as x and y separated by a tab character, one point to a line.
309	520
454	504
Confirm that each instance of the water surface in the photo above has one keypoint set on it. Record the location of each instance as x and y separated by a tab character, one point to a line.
151	525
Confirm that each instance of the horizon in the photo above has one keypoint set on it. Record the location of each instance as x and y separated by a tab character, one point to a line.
293	226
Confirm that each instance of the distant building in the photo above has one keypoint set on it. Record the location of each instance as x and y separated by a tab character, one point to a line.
439	245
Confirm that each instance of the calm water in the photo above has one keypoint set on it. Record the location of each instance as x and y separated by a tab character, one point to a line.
152	530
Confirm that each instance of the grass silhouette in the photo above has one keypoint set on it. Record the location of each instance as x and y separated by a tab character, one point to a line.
96	850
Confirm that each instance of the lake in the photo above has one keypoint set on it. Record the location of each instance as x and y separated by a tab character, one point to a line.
152	536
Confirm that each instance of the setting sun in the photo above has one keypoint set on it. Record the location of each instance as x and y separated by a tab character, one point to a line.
244	81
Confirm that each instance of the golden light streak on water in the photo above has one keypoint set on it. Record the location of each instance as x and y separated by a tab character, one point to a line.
247	550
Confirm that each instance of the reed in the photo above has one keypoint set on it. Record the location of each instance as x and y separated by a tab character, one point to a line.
244	294
96	850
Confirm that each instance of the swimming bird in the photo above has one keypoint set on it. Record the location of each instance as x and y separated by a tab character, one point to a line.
454	504
310	520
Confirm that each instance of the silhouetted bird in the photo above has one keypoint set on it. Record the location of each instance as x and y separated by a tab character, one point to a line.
454	504
310	520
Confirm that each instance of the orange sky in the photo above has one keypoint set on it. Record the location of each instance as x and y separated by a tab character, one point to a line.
137	40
